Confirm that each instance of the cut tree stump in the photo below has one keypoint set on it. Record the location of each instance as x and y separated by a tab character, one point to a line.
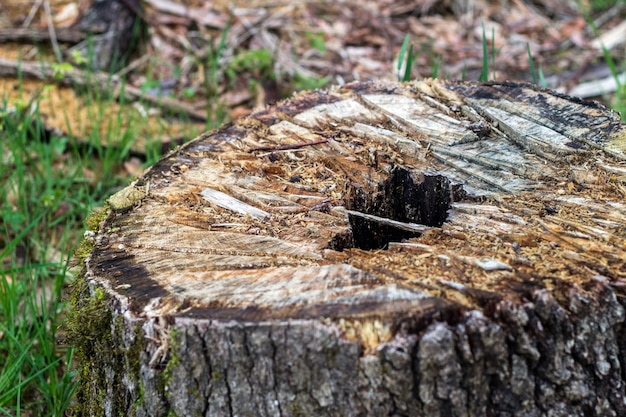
381	249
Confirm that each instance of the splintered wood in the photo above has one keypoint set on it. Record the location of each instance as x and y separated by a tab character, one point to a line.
389	214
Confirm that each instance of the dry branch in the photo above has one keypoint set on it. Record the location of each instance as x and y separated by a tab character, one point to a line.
107	84
287	147
67	35
203	17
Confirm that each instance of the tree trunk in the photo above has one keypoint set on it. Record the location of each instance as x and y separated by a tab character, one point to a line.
382	249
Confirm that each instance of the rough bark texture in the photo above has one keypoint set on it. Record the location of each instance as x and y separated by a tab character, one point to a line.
382	249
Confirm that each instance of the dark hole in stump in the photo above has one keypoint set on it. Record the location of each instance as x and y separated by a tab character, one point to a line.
401	198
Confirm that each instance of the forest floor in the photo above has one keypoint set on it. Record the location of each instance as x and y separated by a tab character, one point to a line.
215	61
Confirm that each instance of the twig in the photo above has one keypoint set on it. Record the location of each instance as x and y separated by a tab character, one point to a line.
231	203
200	16
53	37
606	16
287	147
31	34
599	87
104	82
133	65
32	13
409	227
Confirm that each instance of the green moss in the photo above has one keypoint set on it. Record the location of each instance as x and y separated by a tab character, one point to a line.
86	245
295	408
93	220
172	364
89	331
89	317
84	249
96	336
127	361
88	326
135	367
173	361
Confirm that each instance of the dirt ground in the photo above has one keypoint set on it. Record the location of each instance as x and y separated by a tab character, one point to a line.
214	61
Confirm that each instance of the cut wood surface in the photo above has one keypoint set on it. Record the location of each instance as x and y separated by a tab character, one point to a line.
425	249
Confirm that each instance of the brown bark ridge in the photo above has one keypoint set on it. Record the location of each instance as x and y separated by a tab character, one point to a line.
381	249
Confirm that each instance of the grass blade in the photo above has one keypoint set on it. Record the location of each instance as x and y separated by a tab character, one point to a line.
493	51
410	59
531	64
484	74
464	70
17	239
542	79
405	45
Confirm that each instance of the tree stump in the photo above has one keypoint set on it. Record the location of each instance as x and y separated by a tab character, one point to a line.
381	249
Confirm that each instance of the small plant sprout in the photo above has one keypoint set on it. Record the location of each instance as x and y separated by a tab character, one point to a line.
533	73
405	67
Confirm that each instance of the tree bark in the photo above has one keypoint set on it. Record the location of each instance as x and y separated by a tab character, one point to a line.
423	249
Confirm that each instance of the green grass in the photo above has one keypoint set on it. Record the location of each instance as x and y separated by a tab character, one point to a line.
48	190
484	74
537	75
212	73
406	65
34	369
